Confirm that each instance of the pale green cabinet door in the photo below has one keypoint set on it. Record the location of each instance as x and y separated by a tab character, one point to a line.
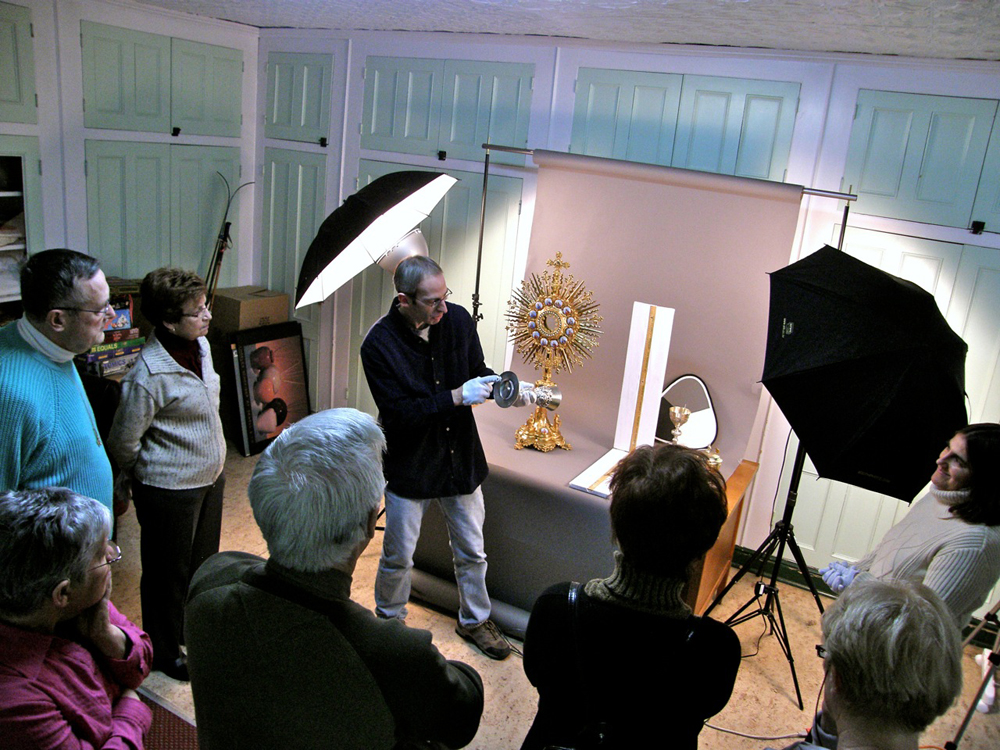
629	115
126	79
18	102
21	189
452	233
485	102
128	206
987	206
735	126
917	157
198	198
298	96
206	88
402	107
294	189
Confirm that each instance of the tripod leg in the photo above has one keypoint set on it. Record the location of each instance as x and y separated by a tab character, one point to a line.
803	568
763	552
786	646
994	658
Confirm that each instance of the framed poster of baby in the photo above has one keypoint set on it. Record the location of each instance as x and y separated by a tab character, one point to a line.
272	391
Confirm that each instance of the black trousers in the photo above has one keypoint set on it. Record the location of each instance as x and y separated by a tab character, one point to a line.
179	530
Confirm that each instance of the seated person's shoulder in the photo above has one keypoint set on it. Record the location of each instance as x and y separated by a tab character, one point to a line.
221	569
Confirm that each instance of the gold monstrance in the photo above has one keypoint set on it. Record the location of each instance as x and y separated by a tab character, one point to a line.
553	323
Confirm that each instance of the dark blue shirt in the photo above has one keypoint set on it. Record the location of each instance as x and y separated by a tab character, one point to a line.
433	446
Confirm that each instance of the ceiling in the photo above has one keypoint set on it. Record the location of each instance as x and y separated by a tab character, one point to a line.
949	29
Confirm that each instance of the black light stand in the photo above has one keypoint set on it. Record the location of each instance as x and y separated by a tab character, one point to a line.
994	660
780	536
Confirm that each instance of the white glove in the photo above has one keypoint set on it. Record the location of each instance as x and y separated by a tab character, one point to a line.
838	575
526	395
477	390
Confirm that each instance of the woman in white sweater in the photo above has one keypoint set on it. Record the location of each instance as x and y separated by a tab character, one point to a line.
950	538
167	439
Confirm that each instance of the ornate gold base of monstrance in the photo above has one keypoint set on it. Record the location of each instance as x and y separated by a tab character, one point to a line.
553	323
538	432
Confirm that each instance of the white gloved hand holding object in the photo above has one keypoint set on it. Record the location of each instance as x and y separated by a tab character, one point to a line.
477	390
838	575
526	396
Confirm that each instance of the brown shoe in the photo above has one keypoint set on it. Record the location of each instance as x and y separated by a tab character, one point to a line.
487	636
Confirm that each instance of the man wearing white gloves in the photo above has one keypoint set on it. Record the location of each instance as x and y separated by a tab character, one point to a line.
425	368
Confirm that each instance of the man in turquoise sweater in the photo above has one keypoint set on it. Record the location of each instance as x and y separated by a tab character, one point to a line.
48	433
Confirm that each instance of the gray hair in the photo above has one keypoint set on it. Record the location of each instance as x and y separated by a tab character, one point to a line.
411	271
314	488
48	280
896	652
47	536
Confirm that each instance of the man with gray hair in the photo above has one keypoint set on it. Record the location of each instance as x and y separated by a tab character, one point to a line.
278	653
425	368
70	663
48	432
893	664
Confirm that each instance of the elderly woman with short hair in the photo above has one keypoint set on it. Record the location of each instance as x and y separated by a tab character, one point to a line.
167	438
893	664
69	661
623	657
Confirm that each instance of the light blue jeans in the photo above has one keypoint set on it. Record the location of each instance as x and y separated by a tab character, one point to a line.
464	515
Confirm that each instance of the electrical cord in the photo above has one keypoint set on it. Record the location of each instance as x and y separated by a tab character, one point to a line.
797	736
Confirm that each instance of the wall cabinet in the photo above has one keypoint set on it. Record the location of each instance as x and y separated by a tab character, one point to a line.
18	102
734	126
294	190
151	83
298	97
152	204
628	115
20	209
919	157
723	125
422	106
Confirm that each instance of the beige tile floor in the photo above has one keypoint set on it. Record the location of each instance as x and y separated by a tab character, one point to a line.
763	701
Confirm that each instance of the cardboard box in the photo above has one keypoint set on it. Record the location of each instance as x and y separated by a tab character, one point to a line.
241	307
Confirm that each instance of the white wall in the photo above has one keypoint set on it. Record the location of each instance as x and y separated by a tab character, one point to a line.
829	86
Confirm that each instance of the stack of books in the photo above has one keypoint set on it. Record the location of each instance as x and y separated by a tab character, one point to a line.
122	342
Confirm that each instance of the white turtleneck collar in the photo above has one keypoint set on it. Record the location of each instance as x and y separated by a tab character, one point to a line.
41	343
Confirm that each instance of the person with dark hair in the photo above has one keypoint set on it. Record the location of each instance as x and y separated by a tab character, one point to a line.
893	664
280	655
167	439
623	658
425	368
949	539
70	663
49	435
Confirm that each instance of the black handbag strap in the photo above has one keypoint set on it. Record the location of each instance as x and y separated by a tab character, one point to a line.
599	733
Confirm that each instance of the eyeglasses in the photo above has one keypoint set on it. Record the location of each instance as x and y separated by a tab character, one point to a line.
201	312
111	555
431	303
108	311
